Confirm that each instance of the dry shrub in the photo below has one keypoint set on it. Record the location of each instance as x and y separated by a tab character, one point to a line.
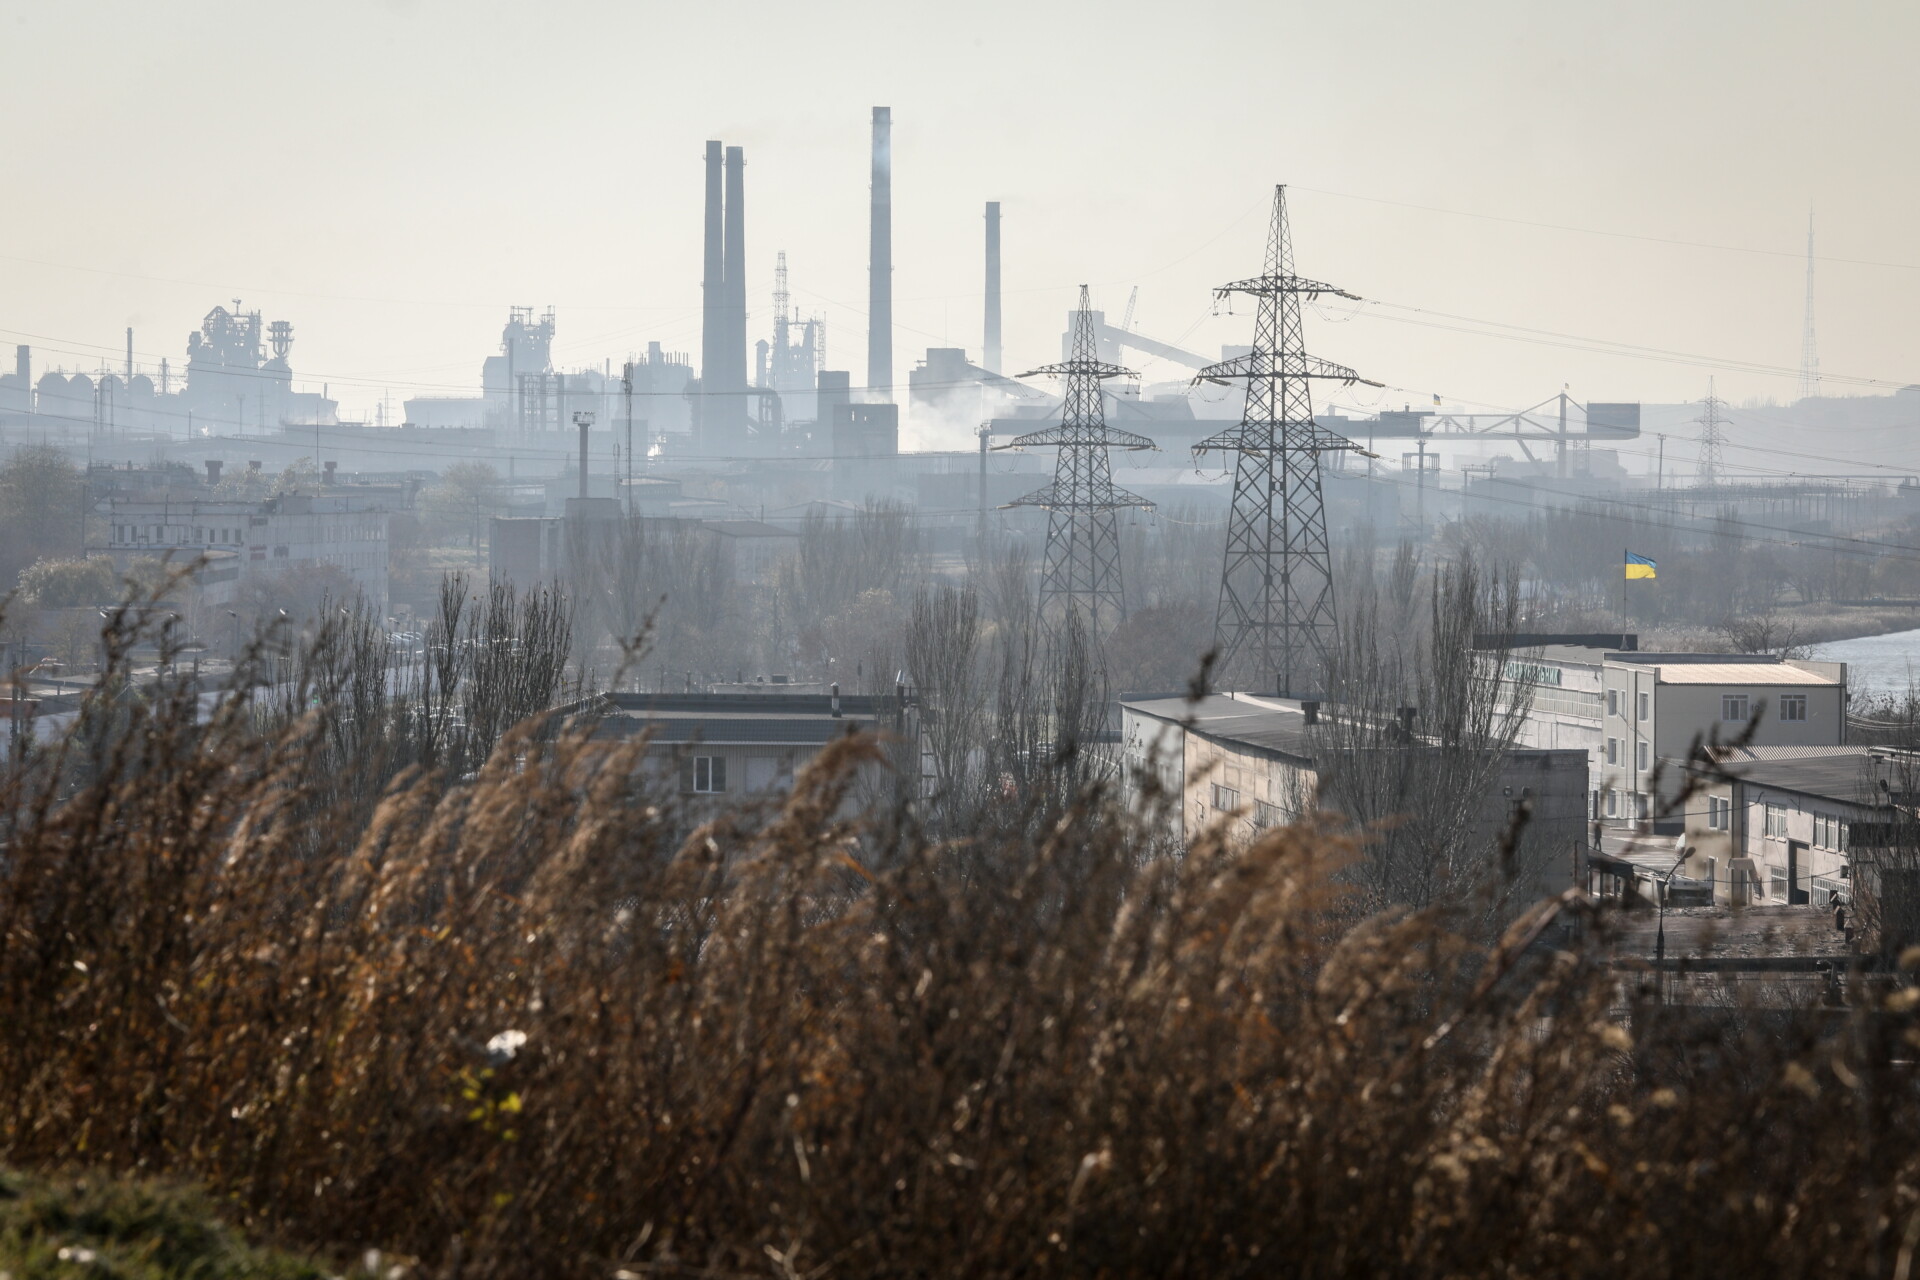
523	1023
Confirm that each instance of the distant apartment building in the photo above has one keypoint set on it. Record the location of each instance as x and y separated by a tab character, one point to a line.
1636	715
1255	763
247	540
752	550
726	748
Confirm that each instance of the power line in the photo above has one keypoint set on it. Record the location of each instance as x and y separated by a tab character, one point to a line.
1613	235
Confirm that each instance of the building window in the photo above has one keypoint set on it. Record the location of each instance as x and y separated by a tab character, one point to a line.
1640	804
1643	753
1776	824
1793	706
1225	798
1268	814
1733	706
1830	832
1646	706
1779	886
1613	751
1613	702
1719	813
703	775
1612	804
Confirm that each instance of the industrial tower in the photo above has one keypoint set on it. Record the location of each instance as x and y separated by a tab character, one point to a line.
1809	349
1275	625
1082	572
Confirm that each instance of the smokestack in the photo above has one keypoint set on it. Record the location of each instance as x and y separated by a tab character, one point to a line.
129	353
880	259
23	365
734	273
583	421
990	349
713	324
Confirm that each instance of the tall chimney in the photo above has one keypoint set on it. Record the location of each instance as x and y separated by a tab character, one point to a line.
880	259
23	366
585	421
713	324
734	272
990	348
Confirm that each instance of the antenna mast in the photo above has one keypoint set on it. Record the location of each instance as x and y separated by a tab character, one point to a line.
1809	349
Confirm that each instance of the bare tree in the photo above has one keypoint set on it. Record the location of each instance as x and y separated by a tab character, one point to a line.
1417	740
943	648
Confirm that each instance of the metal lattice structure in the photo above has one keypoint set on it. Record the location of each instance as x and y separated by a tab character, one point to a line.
1711	438
1809	347
1275	625
1082	572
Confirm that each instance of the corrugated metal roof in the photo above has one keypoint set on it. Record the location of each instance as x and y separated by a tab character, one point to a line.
1748	673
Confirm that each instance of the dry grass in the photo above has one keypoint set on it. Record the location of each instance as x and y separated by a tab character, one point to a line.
788	1046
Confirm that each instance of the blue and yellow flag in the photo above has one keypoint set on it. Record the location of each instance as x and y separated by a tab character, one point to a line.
1639	566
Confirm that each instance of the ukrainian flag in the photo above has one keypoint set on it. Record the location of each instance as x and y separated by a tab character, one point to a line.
1639	566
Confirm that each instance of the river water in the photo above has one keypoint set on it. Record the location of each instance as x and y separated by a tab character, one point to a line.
1877	664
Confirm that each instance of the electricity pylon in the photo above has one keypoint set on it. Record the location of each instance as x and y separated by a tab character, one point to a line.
1275	625
1711	438
1082	572
1809	348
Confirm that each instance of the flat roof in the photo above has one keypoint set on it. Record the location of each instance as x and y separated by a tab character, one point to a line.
1847	777
1281	729
718	731
1751	673
748	529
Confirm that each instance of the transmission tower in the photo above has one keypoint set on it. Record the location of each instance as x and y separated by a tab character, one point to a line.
1275	625
1809	349
1711	438
1082	572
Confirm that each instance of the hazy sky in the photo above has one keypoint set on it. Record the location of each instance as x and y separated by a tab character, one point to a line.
391	176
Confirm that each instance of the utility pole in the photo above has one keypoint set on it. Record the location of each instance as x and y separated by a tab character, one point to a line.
626	390
1275	624
1560	445
1420	488
1082	572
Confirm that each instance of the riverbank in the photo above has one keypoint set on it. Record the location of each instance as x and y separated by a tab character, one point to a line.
1797	626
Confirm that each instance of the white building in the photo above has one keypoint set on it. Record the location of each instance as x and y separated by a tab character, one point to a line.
1638	714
